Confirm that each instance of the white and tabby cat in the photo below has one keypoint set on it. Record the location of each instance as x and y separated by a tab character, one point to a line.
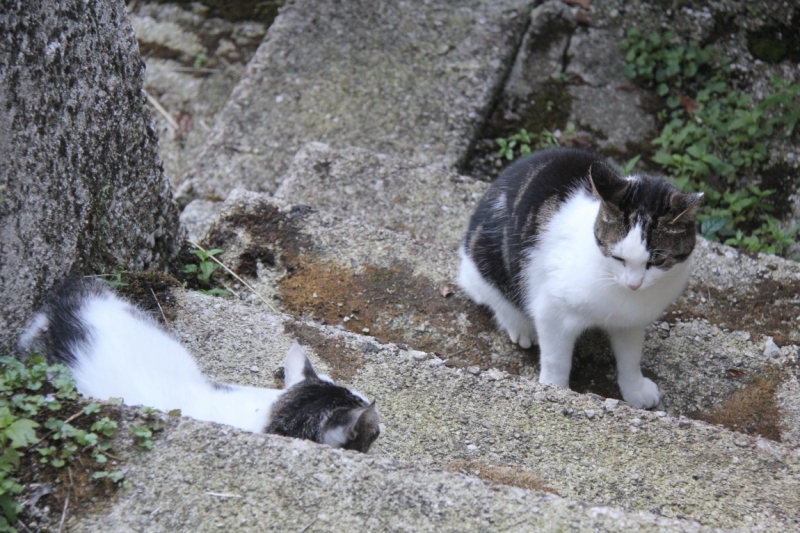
561	242
116	350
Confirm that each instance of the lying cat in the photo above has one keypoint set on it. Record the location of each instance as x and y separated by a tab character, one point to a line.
115	350
561	242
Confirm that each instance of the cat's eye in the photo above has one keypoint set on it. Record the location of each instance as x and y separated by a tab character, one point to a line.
657	262
621	260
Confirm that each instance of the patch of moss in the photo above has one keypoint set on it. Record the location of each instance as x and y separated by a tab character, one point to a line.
151	291
752	409
776	42
394	305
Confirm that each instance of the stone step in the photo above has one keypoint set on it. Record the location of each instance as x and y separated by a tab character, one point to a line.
406	78
488	424
429	202
200	477
707	354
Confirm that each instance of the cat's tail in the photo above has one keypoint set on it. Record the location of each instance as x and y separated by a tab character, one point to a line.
30	338
59	325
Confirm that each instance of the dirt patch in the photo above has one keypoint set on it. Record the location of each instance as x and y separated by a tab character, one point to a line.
47	487
392	304
752	409
768	307
237	10
343	363
261	233
594	366
151	291
777	42
501	475
783	179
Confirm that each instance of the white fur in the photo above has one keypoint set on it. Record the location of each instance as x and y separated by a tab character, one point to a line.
132	358
569	286
519	327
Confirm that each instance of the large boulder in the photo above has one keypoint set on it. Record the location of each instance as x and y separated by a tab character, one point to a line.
82	187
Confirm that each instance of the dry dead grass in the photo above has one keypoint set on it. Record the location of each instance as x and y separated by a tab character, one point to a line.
752	409
501	475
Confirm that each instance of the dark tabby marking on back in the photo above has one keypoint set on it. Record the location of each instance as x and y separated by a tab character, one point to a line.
521	202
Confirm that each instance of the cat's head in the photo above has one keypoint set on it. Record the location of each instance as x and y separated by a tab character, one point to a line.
315	408
645	225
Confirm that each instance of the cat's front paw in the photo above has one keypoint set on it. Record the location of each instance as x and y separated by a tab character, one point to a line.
644	394
521	338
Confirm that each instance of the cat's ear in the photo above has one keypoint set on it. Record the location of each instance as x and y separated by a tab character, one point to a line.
297	367
607	185
684	207
359	420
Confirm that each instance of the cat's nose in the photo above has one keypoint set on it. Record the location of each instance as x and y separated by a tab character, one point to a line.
633	285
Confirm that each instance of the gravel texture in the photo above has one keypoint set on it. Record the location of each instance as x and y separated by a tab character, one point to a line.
194	61
432	415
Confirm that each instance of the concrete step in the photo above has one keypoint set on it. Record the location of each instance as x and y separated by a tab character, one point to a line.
201	477
707	353
642	469
410	79
429	202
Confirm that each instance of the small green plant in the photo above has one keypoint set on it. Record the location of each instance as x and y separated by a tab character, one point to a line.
200	59
33	395
523	143
114	279
143	433
204	269
713	133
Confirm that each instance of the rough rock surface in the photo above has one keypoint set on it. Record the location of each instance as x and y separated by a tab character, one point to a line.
194	60
707	346
404	78
206	478
580	446
84	188
426	201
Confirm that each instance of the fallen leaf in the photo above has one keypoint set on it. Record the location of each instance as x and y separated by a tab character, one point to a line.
583	3
688	104
446	290
735	373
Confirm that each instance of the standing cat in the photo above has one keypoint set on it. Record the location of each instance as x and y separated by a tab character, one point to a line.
561	242
115	350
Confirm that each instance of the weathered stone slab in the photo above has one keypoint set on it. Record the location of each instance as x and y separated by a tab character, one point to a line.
707	349
601	453
429	202
84	188
403	78
200	478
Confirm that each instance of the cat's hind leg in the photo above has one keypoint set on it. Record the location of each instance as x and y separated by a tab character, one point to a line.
518	325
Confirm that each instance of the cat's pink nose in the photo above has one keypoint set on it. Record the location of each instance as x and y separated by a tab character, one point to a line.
633	285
